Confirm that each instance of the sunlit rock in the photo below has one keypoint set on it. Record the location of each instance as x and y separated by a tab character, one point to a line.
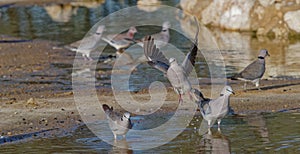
276	18
232	15
148	5
88	4
292	19
64	12
59	13
266	3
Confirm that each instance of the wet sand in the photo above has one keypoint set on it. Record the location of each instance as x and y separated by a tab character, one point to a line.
35	97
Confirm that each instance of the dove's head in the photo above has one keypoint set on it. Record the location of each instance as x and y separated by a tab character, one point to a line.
227	90
172	60
100	29
126	115
166	25
263	53
132	30
130	34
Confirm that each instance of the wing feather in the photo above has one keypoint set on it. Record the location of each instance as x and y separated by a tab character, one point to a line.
189	61
155	58
253	71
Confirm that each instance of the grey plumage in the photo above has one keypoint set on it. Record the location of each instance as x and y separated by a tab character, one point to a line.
176	73
87	44
162	38
119	124
214	109
198	96
254	71
121	41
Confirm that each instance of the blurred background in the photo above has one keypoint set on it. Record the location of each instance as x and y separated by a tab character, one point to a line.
241	27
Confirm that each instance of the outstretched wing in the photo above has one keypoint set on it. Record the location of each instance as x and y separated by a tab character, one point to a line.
155	58
189	61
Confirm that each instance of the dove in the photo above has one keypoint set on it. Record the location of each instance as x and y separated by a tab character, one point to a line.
214	109
254	71
160	39
121	41
119	124
177	74
87	44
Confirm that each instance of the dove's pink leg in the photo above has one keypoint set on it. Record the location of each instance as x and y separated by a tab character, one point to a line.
180	99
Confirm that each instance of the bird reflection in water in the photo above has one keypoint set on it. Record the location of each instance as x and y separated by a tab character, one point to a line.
215	143
121	146
258	123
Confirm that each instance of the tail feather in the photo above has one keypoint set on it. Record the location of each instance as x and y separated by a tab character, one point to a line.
70	48
106	40
235	77
106	108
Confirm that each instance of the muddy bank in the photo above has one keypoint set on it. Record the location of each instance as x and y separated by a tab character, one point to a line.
28	116
36	91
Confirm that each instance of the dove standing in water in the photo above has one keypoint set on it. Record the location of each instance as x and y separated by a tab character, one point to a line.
214	109
254	71
162	38
121	41
87	44
176	73
119	124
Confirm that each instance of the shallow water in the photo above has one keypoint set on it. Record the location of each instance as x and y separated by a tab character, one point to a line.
259	133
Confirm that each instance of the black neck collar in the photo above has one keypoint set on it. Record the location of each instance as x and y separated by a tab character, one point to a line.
260	57
164	30
98	33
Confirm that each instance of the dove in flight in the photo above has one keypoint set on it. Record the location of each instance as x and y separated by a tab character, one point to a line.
176	73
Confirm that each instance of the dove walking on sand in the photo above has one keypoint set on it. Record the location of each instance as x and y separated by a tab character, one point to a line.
121	41
176	73
162	38
119	124
87	44
254	71
214	109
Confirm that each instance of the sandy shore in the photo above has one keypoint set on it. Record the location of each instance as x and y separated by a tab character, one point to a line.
34	97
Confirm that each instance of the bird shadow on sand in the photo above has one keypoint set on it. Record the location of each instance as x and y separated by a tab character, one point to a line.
14	41
269	87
